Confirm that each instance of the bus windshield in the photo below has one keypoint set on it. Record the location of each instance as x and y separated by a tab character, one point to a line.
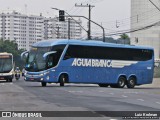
35	61
5	64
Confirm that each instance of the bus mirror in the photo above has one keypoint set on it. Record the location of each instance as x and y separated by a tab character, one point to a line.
24	55
48	53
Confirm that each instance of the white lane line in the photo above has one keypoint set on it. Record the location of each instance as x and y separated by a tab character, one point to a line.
124	96
71	91
111	93
132	92
158	102
140	99
101	91
75	91
80	91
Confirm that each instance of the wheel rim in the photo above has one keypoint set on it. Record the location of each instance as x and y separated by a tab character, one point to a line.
63	80
121	82
132	82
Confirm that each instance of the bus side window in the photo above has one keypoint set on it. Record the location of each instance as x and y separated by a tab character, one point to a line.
67	56
50	61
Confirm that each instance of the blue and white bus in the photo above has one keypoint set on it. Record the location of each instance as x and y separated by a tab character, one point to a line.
92	62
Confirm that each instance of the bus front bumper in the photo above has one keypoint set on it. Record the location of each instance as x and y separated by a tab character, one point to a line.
37	77
40	79
6	77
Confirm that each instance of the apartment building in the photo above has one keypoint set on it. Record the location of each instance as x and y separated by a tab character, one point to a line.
59	30
26	30
144	14
23	29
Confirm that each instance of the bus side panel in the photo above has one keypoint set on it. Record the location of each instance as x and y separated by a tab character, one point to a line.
75	74
80	74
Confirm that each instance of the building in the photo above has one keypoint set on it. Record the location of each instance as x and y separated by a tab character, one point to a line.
143	16
23	29
59	30
26	30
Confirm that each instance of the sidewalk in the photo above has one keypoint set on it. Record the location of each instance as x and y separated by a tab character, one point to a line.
155	83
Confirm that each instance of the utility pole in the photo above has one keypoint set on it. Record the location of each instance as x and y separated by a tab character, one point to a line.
89	21
69	20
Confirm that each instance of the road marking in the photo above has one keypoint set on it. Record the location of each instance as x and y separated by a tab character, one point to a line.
71	91
124	96
75	91
140	99
132	92
111	93
101	91
158	102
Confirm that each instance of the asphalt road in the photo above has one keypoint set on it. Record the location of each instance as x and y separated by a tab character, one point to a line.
28	96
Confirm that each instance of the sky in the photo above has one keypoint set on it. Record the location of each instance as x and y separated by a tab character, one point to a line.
105	12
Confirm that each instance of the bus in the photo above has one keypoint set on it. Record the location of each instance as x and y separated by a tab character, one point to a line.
90	62
6	67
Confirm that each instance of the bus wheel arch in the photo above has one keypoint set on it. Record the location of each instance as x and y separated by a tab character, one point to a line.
63	78
122	80
131	82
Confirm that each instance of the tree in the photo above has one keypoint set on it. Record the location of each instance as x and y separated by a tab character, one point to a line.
125	39
124	36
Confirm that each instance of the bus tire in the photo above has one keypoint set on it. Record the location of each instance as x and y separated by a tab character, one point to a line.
62	80
131	82
43	84
121	82
10	80
103	85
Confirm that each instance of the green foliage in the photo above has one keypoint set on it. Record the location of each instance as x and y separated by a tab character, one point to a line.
124	36
12	47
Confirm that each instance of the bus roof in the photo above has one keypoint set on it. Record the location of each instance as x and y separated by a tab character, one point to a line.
48	43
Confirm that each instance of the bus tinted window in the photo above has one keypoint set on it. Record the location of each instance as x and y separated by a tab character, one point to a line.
77	51
59	49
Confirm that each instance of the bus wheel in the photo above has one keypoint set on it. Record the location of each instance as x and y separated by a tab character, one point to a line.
43	84
10	80
131	82
62	80
121	82
103	85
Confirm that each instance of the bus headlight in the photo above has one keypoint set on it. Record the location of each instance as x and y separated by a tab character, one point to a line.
10	74
47	78
45	73
41	74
